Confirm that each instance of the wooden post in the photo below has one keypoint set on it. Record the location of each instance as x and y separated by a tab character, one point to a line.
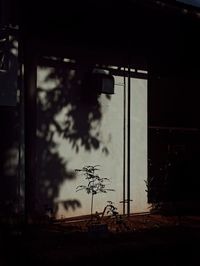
30	93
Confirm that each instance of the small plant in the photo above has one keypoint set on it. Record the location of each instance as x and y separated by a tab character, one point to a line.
111	209
95	183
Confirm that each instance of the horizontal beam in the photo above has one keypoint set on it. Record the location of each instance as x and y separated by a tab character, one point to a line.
134	73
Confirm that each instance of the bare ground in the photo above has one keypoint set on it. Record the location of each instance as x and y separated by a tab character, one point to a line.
152	239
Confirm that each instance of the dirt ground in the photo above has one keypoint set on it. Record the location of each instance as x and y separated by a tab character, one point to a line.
153	239
133	223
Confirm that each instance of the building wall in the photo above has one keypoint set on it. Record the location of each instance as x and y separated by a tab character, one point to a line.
138	145
173	143
93	135
11	131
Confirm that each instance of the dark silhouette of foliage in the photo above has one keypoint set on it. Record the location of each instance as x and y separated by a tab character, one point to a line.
82	115
95	183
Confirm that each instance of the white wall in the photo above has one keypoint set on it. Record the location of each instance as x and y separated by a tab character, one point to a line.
138	145
110	129
111	164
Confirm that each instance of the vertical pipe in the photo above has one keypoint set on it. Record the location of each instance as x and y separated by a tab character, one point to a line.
21	122
128	141
124	147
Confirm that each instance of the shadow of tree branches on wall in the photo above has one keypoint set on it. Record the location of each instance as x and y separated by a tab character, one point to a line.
11	201
66	109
